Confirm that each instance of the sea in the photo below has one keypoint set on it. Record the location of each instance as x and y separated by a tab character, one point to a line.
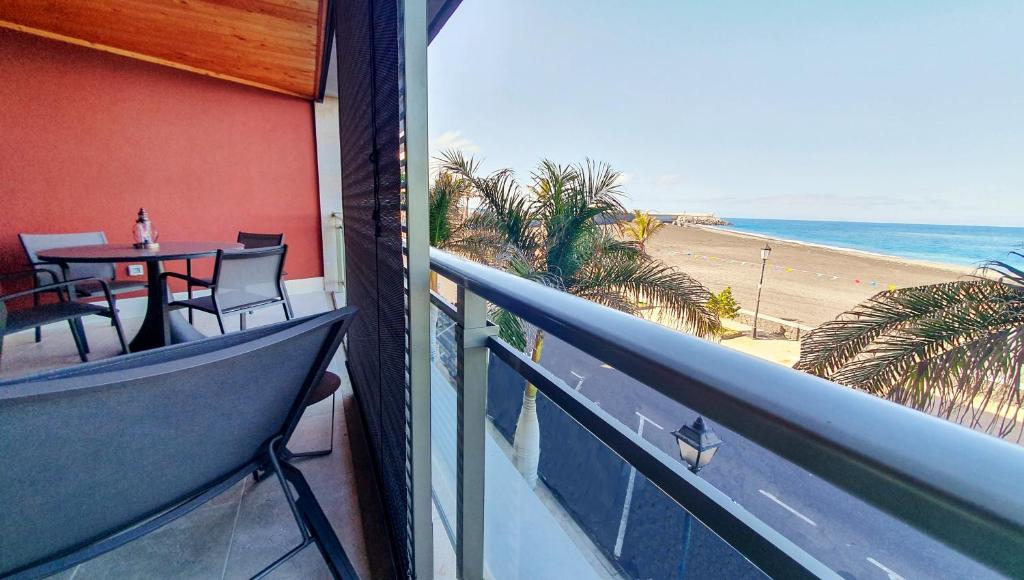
962	245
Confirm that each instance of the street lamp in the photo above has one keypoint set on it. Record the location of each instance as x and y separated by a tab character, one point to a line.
697	444
697	447
765	252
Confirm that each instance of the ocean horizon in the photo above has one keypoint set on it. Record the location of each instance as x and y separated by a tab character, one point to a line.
950	244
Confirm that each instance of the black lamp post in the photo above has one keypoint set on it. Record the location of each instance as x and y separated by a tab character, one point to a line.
765	252
697	447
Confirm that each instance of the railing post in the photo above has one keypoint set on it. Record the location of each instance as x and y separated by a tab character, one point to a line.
472	408
413	58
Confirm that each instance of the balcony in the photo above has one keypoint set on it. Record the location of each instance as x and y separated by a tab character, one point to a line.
432	475
575	522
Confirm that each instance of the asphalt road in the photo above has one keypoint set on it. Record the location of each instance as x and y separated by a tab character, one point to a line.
854	539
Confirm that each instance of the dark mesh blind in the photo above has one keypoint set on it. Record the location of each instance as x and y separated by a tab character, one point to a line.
369	96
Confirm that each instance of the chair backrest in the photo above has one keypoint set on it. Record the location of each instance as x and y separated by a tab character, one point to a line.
35	243
243	277
252	241
93	450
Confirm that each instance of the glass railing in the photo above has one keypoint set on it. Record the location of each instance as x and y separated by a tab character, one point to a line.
811	480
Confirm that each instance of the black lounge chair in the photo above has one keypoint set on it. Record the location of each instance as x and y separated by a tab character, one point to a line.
100	454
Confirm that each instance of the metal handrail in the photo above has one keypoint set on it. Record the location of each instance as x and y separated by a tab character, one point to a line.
957	485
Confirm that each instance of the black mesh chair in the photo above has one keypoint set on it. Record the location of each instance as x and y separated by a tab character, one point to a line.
101	454
252	240
89	275
249	241
243	281
63	307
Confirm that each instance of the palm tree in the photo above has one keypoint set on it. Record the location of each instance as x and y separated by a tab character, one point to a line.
953	349
448	200
551	232
641	228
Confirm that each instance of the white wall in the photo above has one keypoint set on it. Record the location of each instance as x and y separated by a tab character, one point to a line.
328	159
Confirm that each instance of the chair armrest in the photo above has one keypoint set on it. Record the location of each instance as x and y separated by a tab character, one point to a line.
190	279
40	270
58	285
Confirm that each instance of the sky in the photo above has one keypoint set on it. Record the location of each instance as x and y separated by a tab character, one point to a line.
890	111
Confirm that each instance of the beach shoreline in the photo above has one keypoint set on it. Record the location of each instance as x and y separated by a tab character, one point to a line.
958	268
804	282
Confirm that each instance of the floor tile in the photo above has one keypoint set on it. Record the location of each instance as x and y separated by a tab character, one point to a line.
194	546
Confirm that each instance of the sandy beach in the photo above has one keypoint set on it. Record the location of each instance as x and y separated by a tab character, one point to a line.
804	283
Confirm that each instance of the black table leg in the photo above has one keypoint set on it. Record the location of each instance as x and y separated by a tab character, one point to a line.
157	328
73	295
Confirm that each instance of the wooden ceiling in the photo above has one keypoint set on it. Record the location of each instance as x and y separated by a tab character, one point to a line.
272	44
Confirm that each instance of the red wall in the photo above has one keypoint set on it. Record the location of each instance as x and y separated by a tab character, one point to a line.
86	138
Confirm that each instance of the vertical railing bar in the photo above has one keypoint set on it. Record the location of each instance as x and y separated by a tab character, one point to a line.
471	383
413	59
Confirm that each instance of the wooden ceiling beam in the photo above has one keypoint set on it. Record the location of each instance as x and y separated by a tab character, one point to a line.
275	45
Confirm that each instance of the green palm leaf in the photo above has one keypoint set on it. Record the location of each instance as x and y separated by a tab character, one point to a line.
554	232
446	199
954	349
624	284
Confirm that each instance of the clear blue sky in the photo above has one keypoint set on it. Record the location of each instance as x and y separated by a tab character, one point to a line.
902	110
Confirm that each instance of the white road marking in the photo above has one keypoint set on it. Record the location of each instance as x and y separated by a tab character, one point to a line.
643	420
892	575
625	511
580	377
787	508
629	489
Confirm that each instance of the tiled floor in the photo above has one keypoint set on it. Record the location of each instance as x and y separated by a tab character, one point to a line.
250	525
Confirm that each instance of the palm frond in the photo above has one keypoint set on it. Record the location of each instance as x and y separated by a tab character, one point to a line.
900	352
954	349
615	281
505	210
834	344
511	328
600	184
1007	273
573	201
446	201
455	161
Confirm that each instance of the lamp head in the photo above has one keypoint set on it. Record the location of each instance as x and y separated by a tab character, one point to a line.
698	444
